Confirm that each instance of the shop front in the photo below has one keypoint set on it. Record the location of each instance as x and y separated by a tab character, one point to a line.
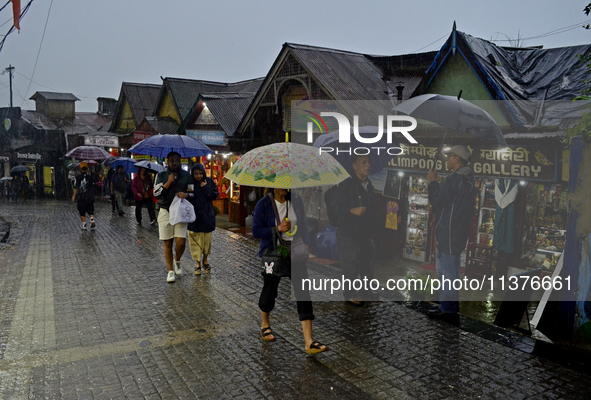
529	224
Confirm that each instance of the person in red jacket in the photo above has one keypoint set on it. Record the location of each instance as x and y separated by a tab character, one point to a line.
143	193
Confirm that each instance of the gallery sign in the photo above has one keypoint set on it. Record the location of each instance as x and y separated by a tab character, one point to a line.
528	162
104	141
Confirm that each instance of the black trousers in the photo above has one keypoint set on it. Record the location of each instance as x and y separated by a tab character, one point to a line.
357	257
149	204
299	271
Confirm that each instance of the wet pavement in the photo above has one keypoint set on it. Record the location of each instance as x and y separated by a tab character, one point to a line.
89	315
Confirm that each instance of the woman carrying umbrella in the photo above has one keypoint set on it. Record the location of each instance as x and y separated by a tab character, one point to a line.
202	195
143	193
264	222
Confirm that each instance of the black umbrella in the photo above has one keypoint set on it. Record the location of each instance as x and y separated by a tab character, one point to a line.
453	113
20	168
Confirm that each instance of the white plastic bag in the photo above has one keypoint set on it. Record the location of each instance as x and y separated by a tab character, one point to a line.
181	211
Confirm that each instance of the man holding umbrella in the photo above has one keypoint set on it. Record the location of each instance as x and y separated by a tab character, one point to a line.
84	188
169	184
454	204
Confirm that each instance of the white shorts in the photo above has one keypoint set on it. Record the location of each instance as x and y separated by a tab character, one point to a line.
168	231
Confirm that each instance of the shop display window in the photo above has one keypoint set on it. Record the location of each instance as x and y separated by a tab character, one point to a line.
545	233
216	167
417	232
486	216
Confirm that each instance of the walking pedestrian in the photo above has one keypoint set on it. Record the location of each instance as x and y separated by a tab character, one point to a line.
84	195
265	221
454	204
110	175
170	183
143	193
354	205
118	187
202	194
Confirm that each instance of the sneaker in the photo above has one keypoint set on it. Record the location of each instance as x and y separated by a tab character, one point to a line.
177	267
170	278
139	222
84	226
92	223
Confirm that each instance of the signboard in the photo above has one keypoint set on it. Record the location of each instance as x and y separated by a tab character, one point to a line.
215	138
139	136
28	156
527	162
141	157
104	141
4	158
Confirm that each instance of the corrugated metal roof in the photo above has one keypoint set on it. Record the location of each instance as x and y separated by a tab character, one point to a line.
142	99
186	91
163	127
227	108
346	75
83	122
55	96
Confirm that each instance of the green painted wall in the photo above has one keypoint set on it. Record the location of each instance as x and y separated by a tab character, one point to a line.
455	75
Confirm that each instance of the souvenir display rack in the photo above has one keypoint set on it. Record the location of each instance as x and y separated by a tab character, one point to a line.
418	218
545	233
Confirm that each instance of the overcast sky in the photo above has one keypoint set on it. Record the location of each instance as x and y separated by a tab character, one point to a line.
90	47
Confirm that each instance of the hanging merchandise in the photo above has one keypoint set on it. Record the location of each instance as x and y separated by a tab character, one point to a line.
392	216
504	222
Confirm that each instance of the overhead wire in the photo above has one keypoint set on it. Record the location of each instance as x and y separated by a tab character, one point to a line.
39	51
12	28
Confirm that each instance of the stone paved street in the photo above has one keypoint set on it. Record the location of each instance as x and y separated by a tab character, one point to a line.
89	315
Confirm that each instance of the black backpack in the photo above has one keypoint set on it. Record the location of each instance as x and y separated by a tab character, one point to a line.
333	218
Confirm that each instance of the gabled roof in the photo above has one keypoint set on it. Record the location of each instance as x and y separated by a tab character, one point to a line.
523	78
227	108
345	75
160	126
55	96
141	98
185	91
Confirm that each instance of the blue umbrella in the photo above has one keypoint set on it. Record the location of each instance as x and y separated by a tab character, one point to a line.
379	159
128	164
151	165
161	145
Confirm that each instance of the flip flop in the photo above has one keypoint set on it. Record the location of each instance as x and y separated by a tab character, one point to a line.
266	332
316	347
206	268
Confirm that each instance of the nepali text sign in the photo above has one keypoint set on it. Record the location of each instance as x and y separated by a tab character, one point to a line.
511	162
215	138
104	141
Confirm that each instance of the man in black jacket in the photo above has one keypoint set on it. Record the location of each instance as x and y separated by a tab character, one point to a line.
354	204
454	205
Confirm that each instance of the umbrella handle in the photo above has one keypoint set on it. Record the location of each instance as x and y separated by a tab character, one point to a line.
439	150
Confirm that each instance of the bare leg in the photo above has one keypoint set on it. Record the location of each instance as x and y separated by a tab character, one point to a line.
179	249
266	323
83	219
168	253
307	329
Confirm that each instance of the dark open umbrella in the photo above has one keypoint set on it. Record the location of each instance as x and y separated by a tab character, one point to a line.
127	163
151	165
161	145
88	153
20	168
453	113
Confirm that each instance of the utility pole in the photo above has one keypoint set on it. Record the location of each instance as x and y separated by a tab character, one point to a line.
9	69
